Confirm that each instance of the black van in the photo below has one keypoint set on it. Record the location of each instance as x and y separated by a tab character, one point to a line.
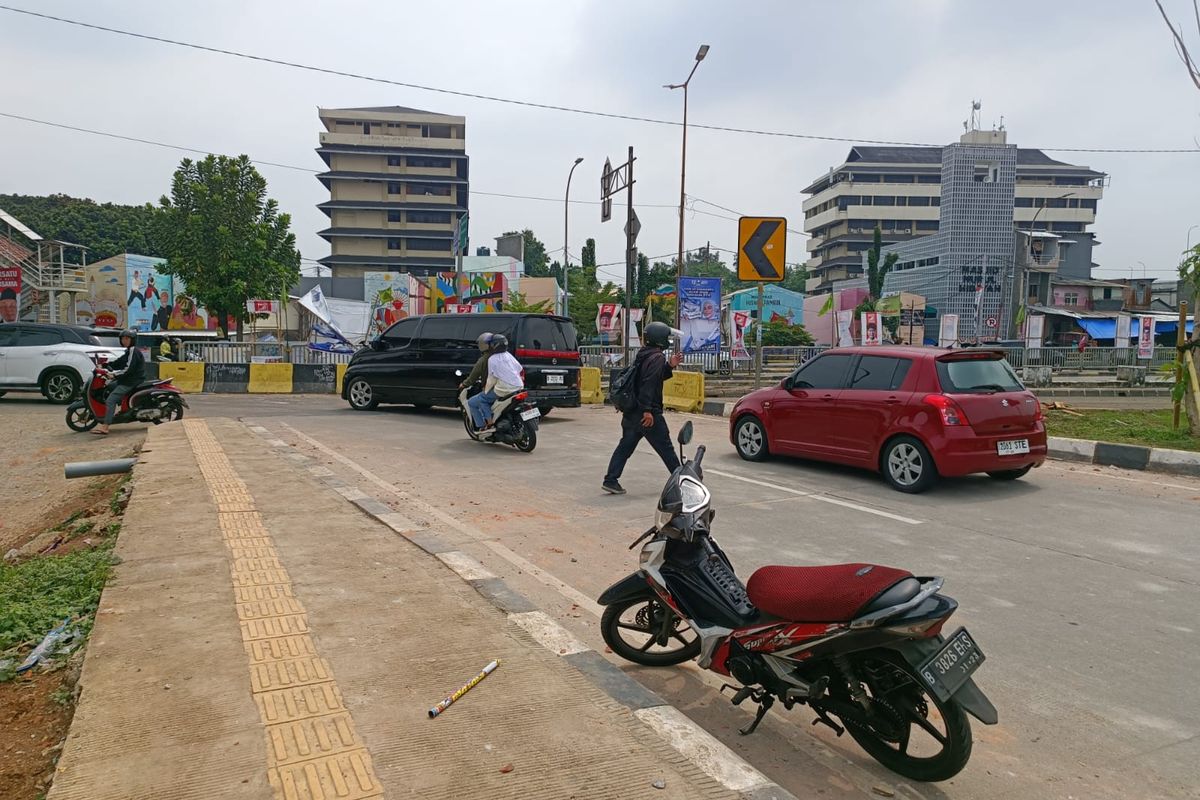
415	360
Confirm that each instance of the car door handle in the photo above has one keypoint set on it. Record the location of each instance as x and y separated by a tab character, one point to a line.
827	397
893	401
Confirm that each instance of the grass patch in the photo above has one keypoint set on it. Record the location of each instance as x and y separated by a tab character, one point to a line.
38	594
1147	428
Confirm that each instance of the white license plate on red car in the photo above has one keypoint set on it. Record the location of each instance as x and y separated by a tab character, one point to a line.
1012	447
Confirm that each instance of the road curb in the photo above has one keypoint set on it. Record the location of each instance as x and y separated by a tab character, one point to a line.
1125	456
705	752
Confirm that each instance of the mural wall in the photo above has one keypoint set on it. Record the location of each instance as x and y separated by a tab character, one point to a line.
129	291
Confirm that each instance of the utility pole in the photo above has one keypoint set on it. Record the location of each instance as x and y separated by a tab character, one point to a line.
612	181
700	54
566	256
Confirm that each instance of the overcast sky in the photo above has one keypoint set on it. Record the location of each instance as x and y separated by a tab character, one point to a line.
1069	73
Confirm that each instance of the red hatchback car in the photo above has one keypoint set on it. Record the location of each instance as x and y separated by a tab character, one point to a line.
912	413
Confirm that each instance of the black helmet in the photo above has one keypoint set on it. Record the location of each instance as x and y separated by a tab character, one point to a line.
658	334
484	341
499	343
130	332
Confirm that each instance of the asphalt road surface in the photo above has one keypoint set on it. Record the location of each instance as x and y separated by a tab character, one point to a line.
1079	583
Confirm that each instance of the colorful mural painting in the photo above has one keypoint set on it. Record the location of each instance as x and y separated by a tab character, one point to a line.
149	303
483	291
388	295
129	290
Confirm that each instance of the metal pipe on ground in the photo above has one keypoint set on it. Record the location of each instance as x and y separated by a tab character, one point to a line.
88	469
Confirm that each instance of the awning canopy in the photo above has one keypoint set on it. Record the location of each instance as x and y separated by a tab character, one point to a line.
1107	328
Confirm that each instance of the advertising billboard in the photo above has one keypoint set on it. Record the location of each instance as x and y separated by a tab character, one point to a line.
700	314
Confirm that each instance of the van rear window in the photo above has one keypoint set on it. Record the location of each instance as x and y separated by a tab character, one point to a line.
542	333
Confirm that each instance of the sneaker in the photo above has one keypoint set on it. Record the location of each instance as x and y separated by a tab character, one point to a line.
612	487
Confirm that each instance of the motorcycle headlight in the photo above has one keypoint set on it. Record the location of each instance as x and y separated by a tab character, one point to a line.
695	495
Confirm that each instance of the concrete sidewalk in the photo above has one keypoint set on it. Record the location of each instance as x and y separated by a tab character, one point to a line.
262	638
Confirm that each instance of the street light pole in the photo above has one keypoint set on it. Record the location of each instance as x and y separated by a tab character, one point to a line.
566	257
700	54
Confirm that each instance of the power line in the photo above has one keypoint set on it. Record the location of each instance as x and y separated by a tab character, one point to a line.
531	104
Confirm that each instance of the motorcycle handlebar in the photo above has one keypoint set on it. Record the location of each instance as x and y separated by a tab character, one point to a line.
699	455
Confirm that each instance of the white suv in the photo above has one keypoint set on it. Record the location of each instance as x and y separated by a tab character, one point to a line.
52	359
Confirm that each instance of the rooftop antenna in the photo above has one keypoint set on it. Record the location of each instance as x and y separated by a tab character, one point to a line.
976	105
1001	122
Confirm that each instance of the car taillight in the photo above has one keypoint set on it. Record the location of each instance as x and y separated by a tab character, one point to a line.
522	396
951	413
1038	414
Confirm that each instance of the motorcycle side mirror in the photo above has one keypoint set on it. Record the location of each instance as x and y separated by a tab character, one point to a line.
685	433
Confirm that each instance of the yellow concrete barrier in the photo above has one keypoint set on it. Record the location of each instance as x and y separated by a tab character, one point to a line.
270	379
589	385
685	391
187	376
341	375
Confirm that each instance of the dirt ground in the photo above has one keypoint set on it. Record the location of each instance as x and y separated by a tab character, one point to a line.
36	442
35	712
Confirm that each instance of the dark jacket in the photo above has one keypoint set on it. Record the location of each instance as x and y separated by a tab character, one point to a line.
130	368
652	371
479	372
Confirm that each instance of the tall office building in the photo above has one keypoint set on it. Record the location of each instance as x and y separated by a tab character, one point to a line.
398	184
899	190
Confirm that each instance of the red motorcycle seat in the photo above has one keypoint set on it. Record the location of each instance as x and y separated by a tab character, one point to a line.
835	593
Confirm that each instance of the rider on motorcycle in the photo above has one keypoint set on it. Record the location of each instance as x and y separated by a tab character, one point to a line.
504	377
480	369
129	371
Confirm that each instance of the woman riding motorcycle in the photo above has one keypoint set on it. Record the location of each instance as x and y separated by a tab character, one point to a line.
129	372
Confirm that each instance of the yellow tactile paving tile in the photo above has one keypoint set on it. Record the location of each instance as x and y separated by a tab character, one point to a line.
299	702
348	776
271	627
271	675
260	609
293	742
281	649
313	750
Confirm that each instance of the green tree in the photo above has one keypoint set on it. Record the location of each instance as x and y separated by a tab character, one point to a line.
795	278
1189	272
588	254
780	334
876	272
518	304
105	229
224	237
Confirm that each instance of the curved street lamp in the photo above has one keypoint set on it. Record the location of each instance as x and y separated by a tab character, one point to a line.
700	54
566	220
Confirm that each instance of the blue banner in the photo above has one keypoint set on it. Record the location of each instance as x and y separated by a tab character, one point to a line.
700	314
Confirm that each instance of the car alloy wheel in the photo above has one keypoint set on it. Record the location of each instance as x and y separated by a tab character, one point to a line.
361	394
60	387
906	464
751	440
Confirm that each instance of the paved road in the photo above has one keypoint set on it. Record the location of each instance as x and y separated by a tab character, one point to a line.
1079	582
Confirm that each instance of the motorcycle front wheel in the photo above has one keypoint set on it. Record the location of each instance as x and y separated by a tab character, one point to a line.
915	734
173	409
470	428
80	417
636	628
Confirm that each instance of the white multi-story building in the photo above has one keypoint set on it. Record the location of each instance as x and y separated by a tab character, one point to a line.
899	190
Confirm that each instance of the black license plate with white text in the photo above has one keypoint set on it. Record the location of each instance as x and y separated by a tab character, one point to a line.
950	667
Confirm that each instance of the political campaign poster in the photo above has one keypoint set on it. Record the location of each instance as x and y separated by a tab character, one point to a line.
10	294
845	321
871	324
700	314
948	330
1123	331
1146	337
738	322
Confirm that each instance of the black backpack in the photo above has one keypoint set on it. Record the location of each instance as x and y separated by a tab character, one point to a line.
623	389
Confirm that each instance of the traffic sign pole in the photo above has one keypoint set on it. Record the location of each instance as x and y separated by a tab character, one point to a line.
758	348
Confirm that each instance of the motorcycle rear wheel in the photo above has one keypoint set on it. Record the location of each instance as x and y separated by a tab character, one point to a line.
942	725
645	618
80	417
527	440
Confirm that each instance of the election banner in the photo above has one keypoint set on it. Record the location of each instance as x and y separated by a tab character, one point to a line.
700	314
870	323
1146	337
948	330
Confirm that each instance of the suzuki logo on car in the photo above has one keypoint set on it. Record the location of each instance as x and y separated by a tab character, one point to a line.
554	361
1004	402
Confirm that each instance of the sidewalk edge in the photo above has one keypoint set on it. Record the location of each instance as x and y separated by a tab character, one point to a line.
705	752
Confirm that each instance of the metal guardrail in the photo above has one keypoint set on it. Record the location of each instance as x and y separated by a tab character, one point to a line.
263	352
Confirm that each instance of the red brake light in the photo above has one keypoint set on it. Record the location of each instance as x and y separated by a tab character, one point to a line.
521	396
1038	414
950	412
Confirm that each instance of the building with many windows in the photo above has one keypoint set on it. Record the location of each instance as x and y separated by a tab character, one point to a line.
397	180
899	189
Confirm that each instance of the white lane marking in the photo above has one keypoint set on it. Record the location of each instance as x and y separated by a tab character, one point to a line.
467	568
1102	474
549	633
574	595
702	749
821	498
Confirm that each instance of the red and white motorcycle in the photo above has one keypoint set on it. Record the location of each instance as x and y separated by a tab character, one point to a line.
860	644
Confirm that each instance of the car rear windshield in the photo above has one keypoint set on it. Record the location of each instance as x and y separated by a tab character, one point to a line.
977	375
543	333
105	341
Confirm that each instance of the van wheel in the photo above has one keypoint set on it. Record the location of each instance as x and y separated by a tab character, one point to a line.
61	386
361	395
907	465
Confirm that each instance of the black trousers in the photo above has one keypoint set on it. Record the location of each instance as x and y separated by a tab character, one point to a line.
632	432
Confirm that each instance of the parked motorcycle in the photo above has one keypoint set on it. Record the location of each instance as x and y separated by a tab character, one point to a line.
516	419
860	644
152	401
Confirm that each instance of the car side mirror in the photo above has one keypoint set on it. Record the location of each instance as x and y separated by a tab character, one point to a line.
787	383
379	344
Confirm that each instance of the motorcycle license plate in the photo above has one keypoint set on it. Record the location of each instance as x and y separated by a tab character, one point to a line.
554	379
530	413
950	667
1012	447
